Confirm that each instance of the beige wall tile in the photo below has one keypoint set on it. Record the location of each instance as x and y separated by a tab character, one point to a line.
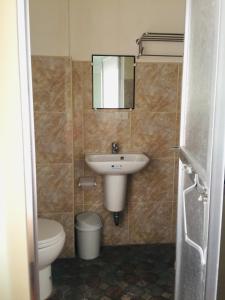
161	176
53	136
103	128
112	235
87	84
178	129
154	183
78	135
176	172
93	195
82	83
54	141
55	188
153	133
51	83
77	81
79	208
179	87
174	215
174	235
174	222
67	221
150	223
78	107
78	191
156	87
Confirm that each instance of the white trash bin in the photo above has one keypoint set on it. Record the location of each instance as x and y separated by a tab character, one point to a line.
88	233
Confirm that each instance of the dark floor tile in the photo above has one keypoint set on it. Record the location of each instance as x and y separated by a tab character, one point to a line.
137	272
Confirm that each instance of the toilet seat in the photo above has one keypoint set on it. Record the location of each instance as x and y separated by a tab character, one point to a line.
49	233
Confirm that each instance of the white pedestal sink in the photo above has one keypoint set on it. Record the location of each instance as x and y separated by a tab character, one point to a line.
115	168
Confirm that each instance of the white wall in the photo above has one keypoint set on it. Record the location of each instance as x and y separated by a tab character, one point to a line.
100	26
14	273
112	26
49	23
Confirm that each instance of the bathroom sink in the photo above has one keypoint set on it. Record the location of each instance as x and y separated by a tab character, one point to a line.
116	164
115	168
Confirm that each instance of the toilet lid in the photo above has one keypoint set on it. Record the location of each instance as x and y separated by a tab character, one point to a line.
49	231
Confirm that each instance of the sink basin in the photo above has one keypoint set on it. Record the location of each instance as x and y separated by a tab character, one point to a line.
115	168
116	164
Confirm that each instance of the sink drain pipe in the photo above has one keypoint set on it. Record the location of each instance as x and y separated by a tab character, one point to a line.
116	218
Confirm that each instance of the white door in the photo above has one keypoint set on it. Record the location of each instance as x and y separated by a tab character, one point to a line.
201	152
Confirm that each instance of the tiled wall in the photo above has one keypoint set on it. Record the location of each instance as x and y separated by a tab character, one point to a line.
54	142
151	128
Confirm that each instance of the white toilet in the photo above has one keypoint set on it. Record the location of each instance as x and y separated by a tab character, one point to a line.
51	239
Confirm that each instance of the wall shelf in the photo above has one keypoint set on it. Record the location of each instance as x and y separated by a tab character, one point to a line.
158	37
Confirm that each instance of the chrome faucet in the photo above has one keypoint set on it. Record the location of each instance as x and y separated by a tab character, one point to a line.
115	148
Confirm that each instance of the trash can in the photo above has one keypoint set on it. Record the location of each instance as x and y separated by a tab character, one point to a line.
88	234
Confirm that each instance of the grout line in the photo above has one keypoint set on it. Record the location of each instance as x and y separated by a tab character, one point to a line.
131	117
177	92
177	105
83	131
53	163
131	148
48	56
51	112
55	213
73	167
137	110
178	88
81	202
174	165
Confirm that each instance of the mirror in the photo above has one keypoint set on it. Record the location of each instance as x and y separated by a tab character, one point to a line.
113	81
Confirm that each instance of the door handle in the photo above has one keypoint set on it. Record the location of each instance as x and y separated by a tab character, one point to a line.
188	240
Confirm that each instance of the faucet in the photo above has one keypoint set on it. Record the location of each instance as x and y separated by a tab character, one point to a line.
115	148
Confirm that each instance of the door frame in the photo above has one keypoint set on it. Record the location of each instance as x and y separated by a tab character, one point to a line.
215	269
27	122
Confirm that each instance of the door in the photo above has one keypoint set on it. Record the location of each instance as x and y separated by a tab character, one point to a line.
18	250
201	166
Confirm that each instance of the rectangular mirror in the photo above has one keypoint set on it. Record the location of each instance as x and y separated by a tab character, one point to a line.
113	81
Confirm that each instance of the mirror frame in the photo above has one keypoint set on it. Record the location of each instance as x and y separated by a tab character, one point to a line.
92	73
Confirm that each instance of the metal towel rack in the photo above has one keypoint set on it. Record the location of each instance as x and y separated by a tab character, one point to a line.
158	37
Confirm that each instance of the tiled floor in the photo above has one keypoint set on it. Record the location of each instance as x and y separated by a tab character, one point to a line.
144	272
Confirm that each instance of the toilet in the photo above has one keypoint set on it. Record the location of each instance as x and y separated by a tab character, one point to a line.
51	239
